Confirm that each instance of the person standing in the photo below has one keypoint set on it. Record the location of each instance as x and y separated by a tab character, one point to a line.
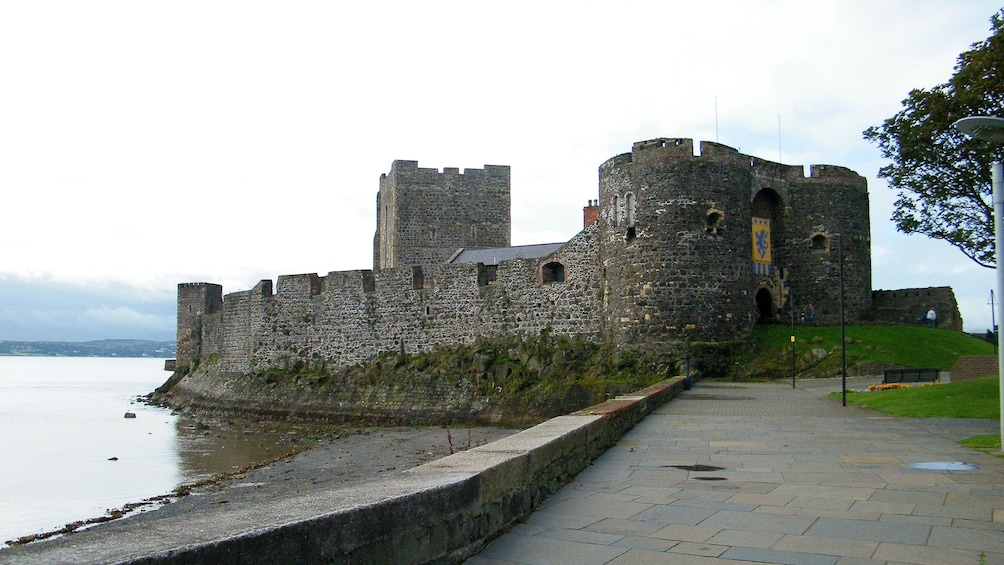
931	317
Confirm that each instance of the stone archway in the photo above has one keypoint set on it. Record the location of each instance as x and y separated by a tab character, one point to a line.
765	306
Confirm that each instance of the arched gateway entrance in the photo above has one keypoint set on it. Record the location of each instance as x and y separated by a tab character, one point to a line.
765	306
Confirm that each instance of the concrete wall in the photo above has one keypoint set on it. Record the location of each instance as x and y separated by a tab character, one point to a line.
440	512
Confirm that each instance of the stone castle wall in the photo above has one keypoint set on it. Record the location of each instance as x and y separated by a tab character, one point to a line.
349	317
667	258
908	305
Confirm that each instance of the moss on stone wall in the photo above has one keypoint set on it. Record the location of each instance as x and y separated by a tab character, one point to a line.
499	380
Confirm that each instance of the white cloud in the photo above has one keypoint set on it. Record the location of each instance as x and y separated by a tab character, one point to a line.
217	141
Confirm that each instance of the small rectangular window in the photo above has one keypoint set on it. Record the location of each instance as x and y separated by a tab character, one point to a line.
487	274
552	273
369	281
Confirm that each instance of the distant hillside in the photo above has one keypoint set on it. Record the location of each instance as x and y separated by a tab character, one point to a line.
100	348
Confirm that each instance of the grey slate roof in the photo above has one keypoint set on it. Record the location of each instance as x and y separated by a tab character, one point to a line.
495	255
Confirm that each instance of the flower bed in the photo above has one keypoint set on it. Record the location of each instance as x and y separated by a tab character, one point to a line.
897	385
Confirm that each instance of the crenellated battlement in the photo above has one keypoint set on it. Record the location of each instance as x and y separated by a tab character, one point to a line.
347	317
833	173
671	149
410	170
306	284
424	215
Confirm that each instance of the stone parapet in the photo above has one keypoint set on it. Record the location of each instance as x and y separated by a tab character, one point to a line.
441	512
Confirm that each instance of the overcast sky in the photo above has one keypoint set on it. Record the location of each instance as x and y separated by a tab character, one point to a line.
143	144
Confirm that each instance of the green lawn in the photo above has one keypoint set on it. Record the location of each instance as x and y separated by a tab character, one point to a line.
986	443
908	346
978	398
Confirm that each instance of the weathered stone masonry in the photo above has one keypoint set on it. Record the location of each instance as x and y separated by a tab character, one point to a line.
668	259
676	244
424	216
349	317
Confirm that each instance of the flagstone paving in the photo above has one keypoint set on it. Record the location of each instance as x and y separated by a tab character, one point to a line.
763	473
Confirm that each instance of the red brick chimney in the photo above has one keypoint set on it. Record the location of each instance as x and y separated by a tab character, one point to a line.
590	213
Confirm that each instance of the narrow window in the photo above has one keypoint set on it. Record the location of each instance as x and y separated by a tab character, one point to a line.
819	242
630	235
617	211
417	278
553	272
629	208
713	223
369	282
487	274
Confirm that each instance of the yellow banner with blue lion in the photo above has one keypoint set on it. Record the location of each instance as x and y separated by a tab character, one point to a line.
761	246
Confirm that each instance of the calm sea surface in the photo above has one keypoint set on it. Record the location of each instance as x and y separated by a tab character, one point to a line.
61	423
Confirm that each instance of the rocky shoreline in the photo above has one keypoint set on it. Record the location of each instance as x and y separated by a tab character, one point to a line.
320	458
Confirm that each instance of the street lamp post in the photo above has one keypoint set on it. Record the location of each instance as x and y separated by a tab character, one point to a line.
992	129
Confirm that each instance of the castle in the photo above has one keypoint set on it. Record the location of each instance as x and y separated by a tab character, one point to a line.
678	248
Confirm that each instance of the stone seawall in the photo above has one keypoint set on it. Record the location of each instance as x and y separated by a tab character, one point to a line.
441	512
411	400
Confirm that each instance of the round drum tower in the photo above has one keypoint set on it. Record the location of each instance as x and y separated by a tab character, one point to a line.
675	243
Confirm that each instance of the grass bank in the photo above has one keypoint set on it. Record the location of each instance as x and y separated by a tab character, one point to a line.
977	398
869	349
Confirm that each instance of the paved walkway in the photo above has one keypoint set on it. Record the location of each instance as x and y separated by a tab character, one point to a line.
782	476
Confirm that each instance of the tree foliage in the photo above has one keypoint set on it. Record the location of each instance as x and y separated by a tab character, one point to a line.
942	177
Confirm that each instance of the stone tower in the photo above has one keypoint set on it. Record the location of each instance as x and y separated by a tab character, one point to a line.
700	248
195	300
824	210
424	216
674	243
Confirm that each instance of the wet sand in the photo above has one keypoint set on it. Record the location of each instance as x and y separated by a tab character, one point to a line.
346	457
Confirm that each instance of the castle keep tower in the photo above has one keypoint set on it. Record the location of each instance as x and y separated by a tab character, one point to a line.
424	216
703	247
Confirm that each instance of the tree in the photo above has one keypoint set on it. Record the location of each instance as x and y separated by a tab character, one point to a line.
943	177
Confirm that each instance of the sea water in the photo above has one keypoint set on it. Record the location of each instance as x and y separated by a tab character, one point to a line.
68	453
